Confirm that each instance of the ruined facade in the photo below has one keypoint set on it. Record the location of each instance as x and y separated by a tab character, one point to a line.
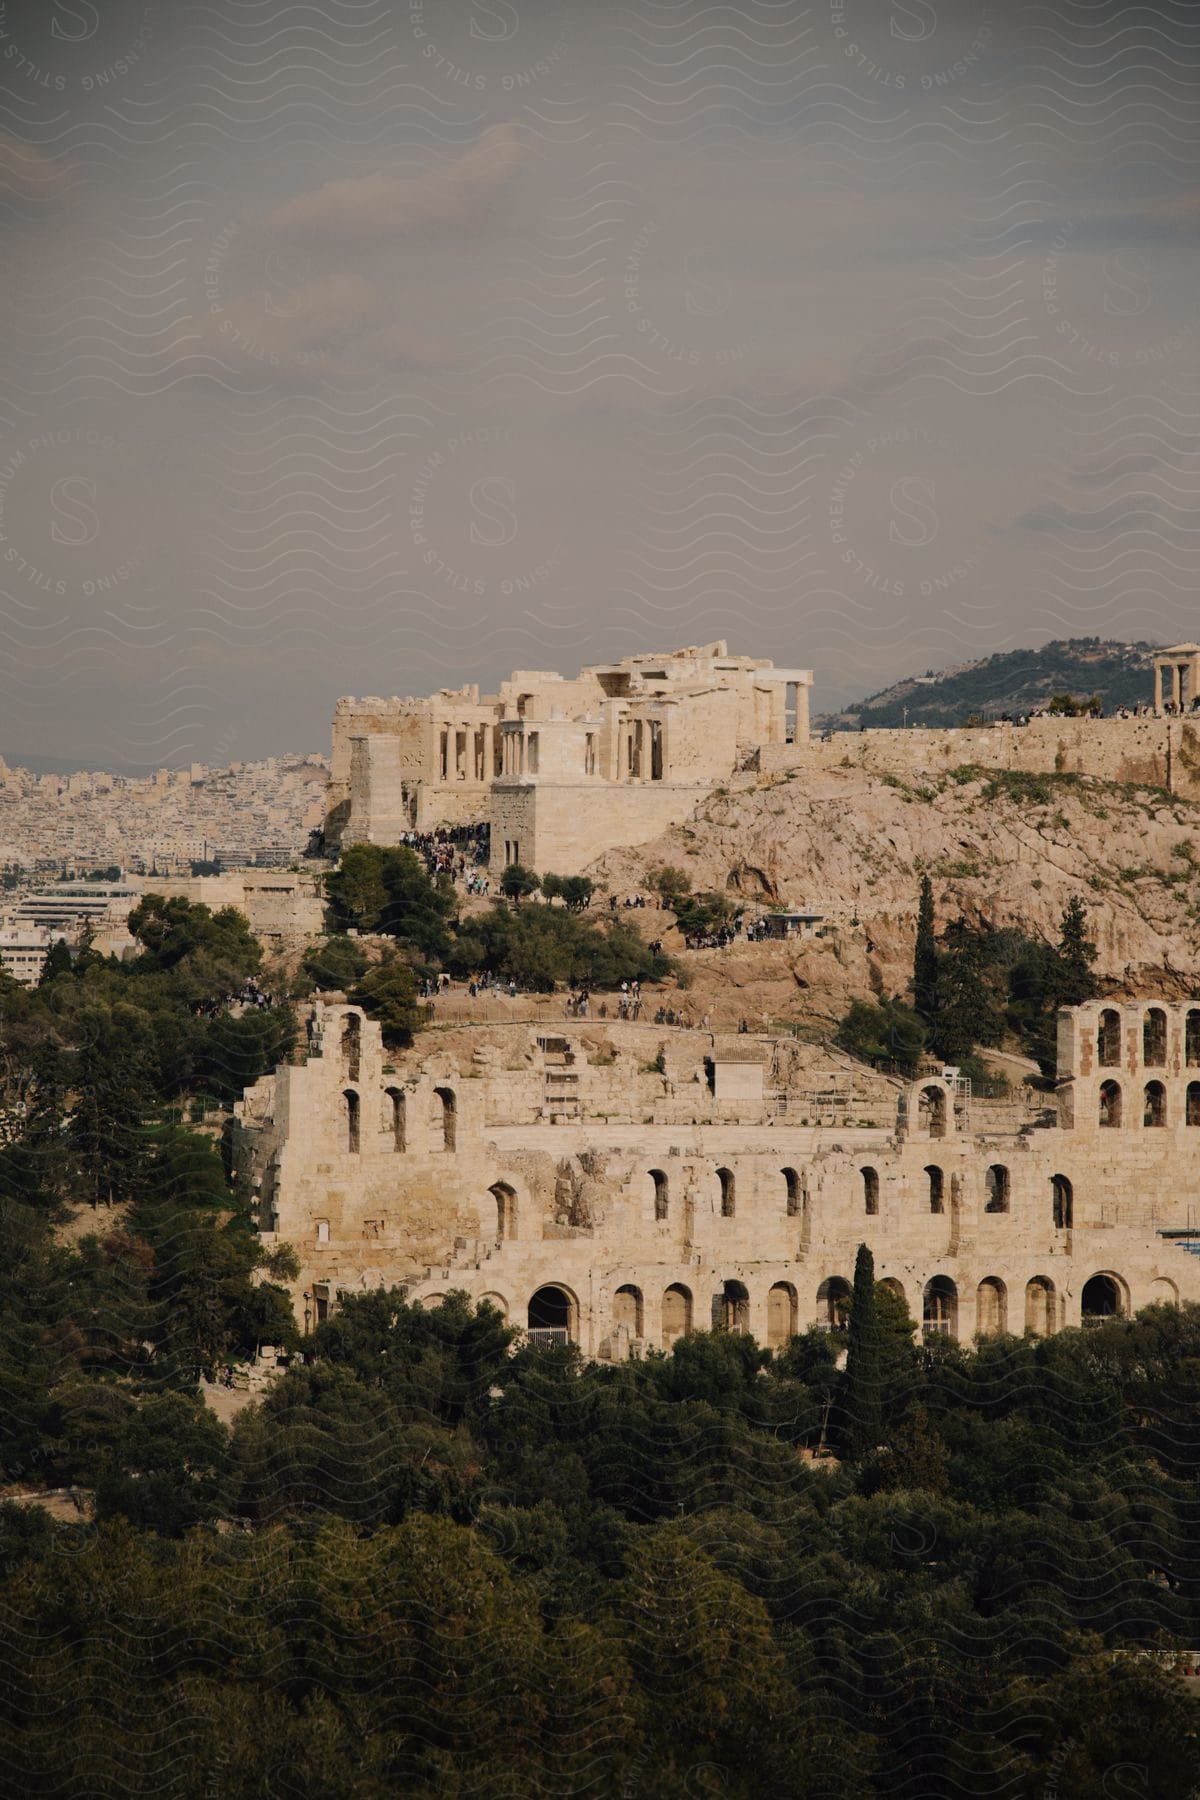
619	1184
559	768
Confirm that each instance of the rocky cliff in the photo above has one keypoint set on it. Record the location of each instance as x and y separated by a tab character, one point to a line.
1005	849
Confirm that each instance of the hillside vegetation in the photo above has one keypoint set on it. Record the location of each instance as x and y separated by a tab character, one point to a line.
1015	681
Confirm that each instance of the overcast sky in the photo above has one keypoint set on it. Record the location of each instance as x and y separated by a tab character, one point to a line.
368	346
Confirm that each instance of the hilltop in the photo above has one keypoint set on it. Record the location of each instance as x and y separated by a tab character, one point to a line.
1015	681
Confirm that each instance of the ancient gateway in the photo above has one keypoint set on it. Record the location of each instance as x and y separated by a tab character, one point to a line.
617	1184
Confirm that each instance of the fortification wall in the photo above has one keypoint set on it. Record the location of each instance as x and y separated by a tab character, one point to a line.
1147	751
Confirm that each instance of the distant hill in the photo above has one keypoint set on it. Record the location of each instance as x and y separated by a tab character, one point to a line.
1011	682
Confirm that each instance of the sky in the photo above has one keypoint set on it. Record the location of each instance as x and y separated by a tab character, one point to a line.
374	346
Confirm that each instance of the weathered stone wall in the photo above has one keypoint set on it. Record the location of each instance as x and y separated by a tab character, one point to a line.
1154	752
575	1157
561	827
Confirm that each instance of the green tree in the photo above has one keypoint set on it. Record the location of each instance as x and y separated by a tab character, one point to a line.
577	891
860	1399
887	1031
388	992
377	888
966	1010
516	882
552	887
1076	978
335	964
925	956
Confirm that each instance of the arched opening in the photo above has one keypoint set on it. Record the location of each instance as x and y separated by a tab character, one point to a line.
352	1132
931	1111
662	1198
676	1314
940	1314
937	1188
1192	1103
352	1045
445	1118
1108	1039
553	1316
870	1184
991	1307
1110	1103
1039	1306
627	1310
1154	1108
895	1287
506	1210
496	1300
1062	1203
792	1188
431	1302
731	1308
1191	1038
728	1192
1102	1298
1163	1291
394	1117
996	1189
782	1314
1154	1038
833	1304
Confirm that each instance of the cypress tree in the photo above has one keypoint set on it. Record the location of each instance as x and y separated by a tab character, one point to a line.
925	957
862	1385
1075	977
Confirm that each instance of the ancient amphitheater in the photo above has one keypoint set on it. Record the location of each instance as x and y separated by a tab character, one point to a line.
620	1183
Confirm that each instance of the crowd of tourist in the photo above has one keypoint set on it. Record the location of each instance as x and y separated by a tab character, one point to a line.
248	998
459	851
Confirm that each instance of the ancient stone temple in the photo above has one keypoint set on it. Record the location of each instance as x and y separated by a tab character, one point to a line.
618	1183
561	768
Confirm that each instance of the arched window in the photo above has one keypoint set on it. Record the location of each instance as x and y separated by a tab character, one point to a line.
870	1182
931	1111
1154	1038
1040	1306
991	1307
1154	1109
833	1304
940	1316
1191	1038
1108	1039
996	1188
1062	1203
1192	1103
353	1134
445	1117
394	1118
352	1045
782	1314
1102	1298
676	1314
506	1210
553	1316
792	1187
731	1308
627	1310
728	1192
937	1188
1110	1103
662	1198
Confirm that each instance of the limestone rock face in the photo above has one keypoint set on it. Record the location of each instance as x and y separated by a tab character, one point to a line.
1007	850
